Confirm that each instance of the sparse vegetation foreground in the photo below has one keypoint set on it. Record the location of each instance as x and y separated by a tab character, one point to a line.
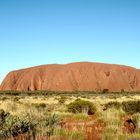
44	115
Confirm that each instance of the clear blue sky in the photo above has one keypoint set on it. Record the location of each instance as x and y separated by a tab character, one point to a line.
35	32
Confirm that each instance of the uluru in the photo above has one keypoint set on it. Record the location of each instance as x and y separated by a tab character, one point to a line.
80	76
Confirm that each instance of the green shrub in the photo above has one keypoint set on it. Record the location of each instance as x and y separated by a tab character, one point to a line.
111	104
50	122
81	106
105	90
13	126
4	98
3	116
62	100
40	105
16	99
131	107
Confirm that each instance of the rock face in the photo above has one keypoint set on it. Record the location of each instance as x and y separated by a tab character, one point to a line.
82	76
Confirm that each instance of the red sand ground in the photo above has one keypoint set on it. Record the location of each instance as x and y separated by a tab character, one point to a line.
92	128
